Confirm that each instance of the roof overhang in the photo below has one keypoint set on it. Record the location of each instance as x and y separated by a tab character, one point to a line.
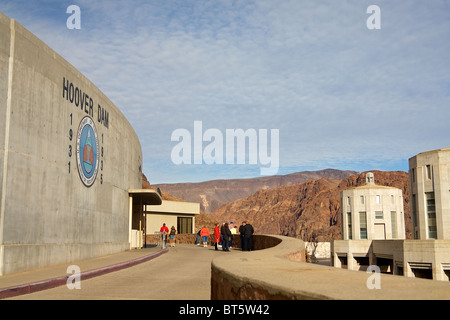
175	207
145	196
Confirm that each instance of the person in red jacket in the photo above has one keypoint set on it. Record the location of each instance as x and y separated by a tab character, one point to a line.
164	231
204	233
217	235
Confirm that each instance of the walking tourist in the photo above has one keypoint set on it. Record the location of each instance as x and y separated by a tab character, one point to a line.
248	233
241	232
197	242
204	233
233	232
164	231
216	236
226	235
172	235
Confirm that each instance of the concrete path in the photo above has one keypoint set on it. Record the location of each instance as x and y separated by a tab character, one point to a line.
182	273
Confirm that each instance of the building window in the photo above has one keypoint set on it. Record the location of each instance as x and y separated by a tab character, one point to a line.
349	223
394	224
362	199
349	201
428	171
184	225
378	214
363	225
414	213
431	215
392	199
378	198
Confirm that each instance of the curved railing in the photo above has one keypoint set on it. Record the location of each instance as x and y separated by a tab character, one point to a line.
249	275
278	273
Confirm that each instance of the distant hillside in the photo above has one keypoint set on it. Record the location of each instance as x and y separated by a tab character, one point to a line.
164	195
310	211
213	194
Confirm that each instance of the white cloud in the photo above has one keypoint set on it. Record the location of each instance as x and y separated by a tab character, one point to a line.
339	93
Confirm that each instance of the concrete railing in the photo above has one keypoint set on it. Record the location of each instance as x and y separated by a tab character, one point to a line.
277	273
259	242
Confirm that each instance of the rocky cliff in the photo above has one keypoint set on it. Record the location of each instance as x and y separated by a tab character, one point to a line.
310	211
213	194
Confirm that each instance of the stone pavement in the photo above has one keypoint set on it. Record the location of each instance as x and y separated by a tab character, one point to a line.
184	272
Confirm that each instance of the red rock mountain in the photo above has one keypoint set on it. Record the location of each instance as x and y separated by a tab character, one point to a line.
213	194
310	211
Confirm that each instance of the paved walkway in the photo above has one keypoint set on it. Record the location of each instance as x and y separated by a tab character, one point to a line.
184	272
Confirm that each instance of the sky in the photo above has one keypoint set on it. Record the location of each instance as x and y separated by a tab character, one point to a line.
339	94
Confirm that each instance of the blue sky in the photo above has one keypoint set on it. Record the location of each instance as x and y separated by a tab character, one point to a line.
342	96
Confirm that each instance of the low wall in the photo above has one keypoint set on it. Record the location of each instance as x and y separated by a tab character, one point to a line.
279	273
249	274
180	238
259	242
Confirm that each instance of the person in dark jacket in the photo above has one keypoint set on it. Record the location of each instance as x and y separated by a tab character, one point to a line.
226	236
241	232
248	233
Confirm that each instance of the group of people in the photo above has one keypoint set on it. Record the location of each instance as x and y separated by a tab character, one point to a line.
166	233
223	236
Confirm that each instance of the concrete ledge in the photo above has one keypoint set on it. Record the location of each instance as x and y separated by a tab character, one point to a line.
270	274
59	281
259	242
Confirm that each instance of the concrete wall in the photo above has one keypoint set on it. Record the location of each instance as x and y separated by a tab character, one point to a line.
47	214
403	256
155	222
435	179
168	213
433	254
253	275
273	274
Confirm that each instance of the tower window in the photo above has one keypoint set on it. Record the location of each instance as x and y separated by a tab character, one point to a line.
349	225
378	214
431	215
428	171
363	225
394	224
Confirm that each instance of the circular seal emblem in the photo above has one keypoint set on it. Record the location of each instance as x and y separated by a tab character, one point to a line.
87	147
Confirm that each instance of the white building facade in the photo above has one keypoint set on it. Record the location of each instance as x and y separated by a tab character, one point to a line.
429	176
428	255
372	212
